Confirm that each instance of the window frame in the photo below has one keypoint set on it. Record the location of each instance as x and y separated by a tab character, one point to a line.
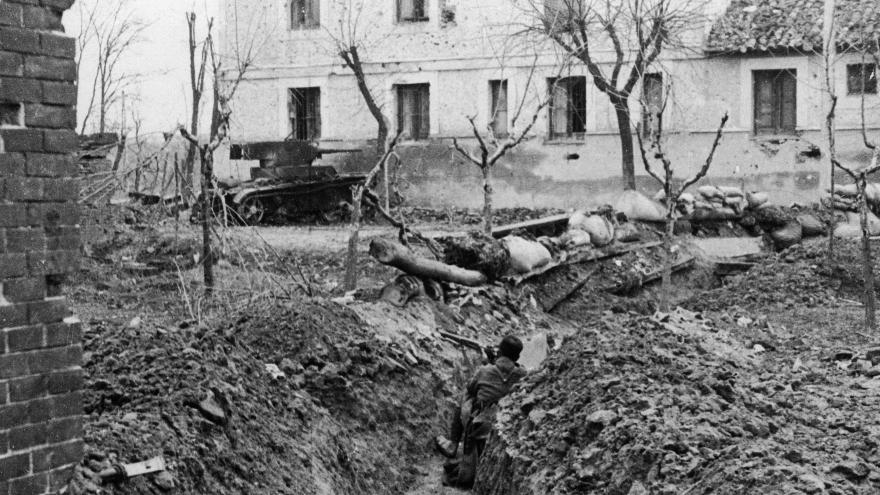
312	18
400	19
778	101
580	82
309	94
861	78
423	112
496	87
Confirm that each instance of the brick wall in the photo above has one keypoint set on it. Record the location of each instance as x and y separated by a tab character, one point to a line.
40	351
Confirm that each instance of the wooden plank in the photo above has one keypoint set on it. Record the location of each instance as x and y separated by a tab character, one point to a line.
551	221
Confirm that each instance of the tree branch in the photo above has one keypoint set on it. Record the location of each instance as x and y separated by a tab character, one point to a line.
705	168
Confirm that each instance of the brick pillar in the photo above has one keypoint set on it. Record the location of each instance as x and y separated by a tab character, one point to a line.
40	349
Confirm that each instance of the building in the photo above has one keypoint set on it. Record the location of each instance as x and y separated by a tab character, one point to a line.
433	63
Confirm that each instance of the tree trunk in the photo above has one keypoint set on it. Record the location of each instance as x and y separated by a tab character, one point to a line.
867	264
621	109
668	255
207	159
353	61
189	163
393	254
487	199
351	262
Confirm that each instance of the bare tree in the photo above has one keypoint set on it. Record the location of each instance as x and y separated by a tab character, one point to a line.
638	31
351	41
225	84
114	31
197	86
490	149
672	194
829	51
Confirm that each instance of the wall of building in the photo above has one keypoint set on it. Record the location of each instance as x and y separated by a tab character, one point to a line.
458	61
40	351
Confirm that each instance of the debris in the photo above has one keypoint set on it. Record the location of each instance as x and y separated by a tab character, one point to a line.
275	372
212	410
122	472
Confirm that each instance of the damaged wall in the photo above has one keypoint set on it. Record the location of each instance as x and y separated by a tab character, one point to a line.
459	59
40	351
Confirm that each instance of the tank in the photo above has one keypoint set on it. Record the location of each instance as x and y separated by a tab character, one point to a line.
287	184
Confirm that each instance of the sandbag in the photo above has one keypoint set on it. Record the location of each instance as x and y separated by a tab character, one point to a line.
525	255
600	229
627	232
772	216
787	236
575	238
710	193
847	231
853	218
756	199
810	225
659	195
731	192
846	190
637	206
714	213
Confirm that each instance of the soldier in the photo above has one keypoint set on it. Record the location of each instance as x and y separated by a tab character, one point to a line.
472	419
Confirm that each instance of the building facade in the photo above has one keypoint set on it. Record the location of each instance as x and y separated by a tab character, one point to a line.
434	63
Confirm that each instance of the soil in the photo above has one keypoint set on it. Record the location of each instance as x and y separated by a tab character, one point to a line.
280	383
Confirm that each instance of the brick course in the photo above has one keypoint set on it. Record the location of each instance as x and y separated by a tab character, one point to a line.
40	347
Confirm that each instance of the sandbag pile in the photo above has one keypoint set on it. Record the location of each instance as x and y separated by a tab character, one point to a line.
637	206
845	201
525	255
717	203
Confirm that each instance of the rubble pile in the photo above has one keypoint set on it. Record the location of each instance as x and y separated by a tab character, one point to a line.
284	399
673	404
801	276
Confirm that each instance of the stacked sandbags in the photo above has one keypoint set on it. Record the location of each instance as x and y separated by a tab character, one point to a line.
718	203
599	228
525	255
846	200
637	206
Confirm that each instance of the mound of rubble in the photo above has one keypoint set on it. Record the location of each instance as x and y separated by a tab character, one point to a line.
801	276
673	404
294	398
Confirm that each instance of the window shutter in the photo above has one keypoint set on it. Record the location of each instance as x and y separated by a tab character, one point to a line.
291	108
424	111
559	109
763	102
316	112
788	101
313	18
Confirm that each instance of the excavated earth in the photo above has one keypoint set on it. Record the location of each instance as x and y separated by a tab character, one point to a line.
763	384
770	389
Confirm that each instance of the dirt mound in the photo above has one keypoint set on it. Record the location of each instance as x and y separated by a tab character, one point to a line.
800	276
675	405
350	415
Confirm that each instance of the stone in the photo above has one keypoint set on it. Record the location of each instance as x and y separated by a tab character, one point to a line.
603	417
211	410
852	470
165	481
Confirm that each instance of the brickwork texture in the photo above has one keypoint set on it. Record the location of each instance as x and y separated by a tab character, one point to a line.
40	348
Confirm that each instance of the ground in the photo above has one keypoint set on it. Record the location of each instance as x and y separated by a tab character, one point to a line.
282	383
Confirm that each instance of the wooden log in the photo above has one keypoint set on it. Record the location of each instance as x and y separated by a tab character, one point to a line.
393	254
553	222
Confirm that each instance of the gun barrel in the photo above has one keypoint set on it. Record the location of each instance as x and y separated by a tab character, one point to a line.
327	151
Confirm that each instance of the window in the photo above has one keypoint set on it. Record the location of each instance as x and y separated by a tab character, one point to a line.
305	14
568	107
411	11
861	79
305	113
499	107
413	110
652	93
775	101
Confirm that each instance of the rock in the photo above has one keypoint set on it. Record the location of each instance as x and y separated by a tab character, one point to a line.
637	488
873	355
852	470
290	367
211	409
813	484
164	481
274	371
743	321
843	355
603	417
135	322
